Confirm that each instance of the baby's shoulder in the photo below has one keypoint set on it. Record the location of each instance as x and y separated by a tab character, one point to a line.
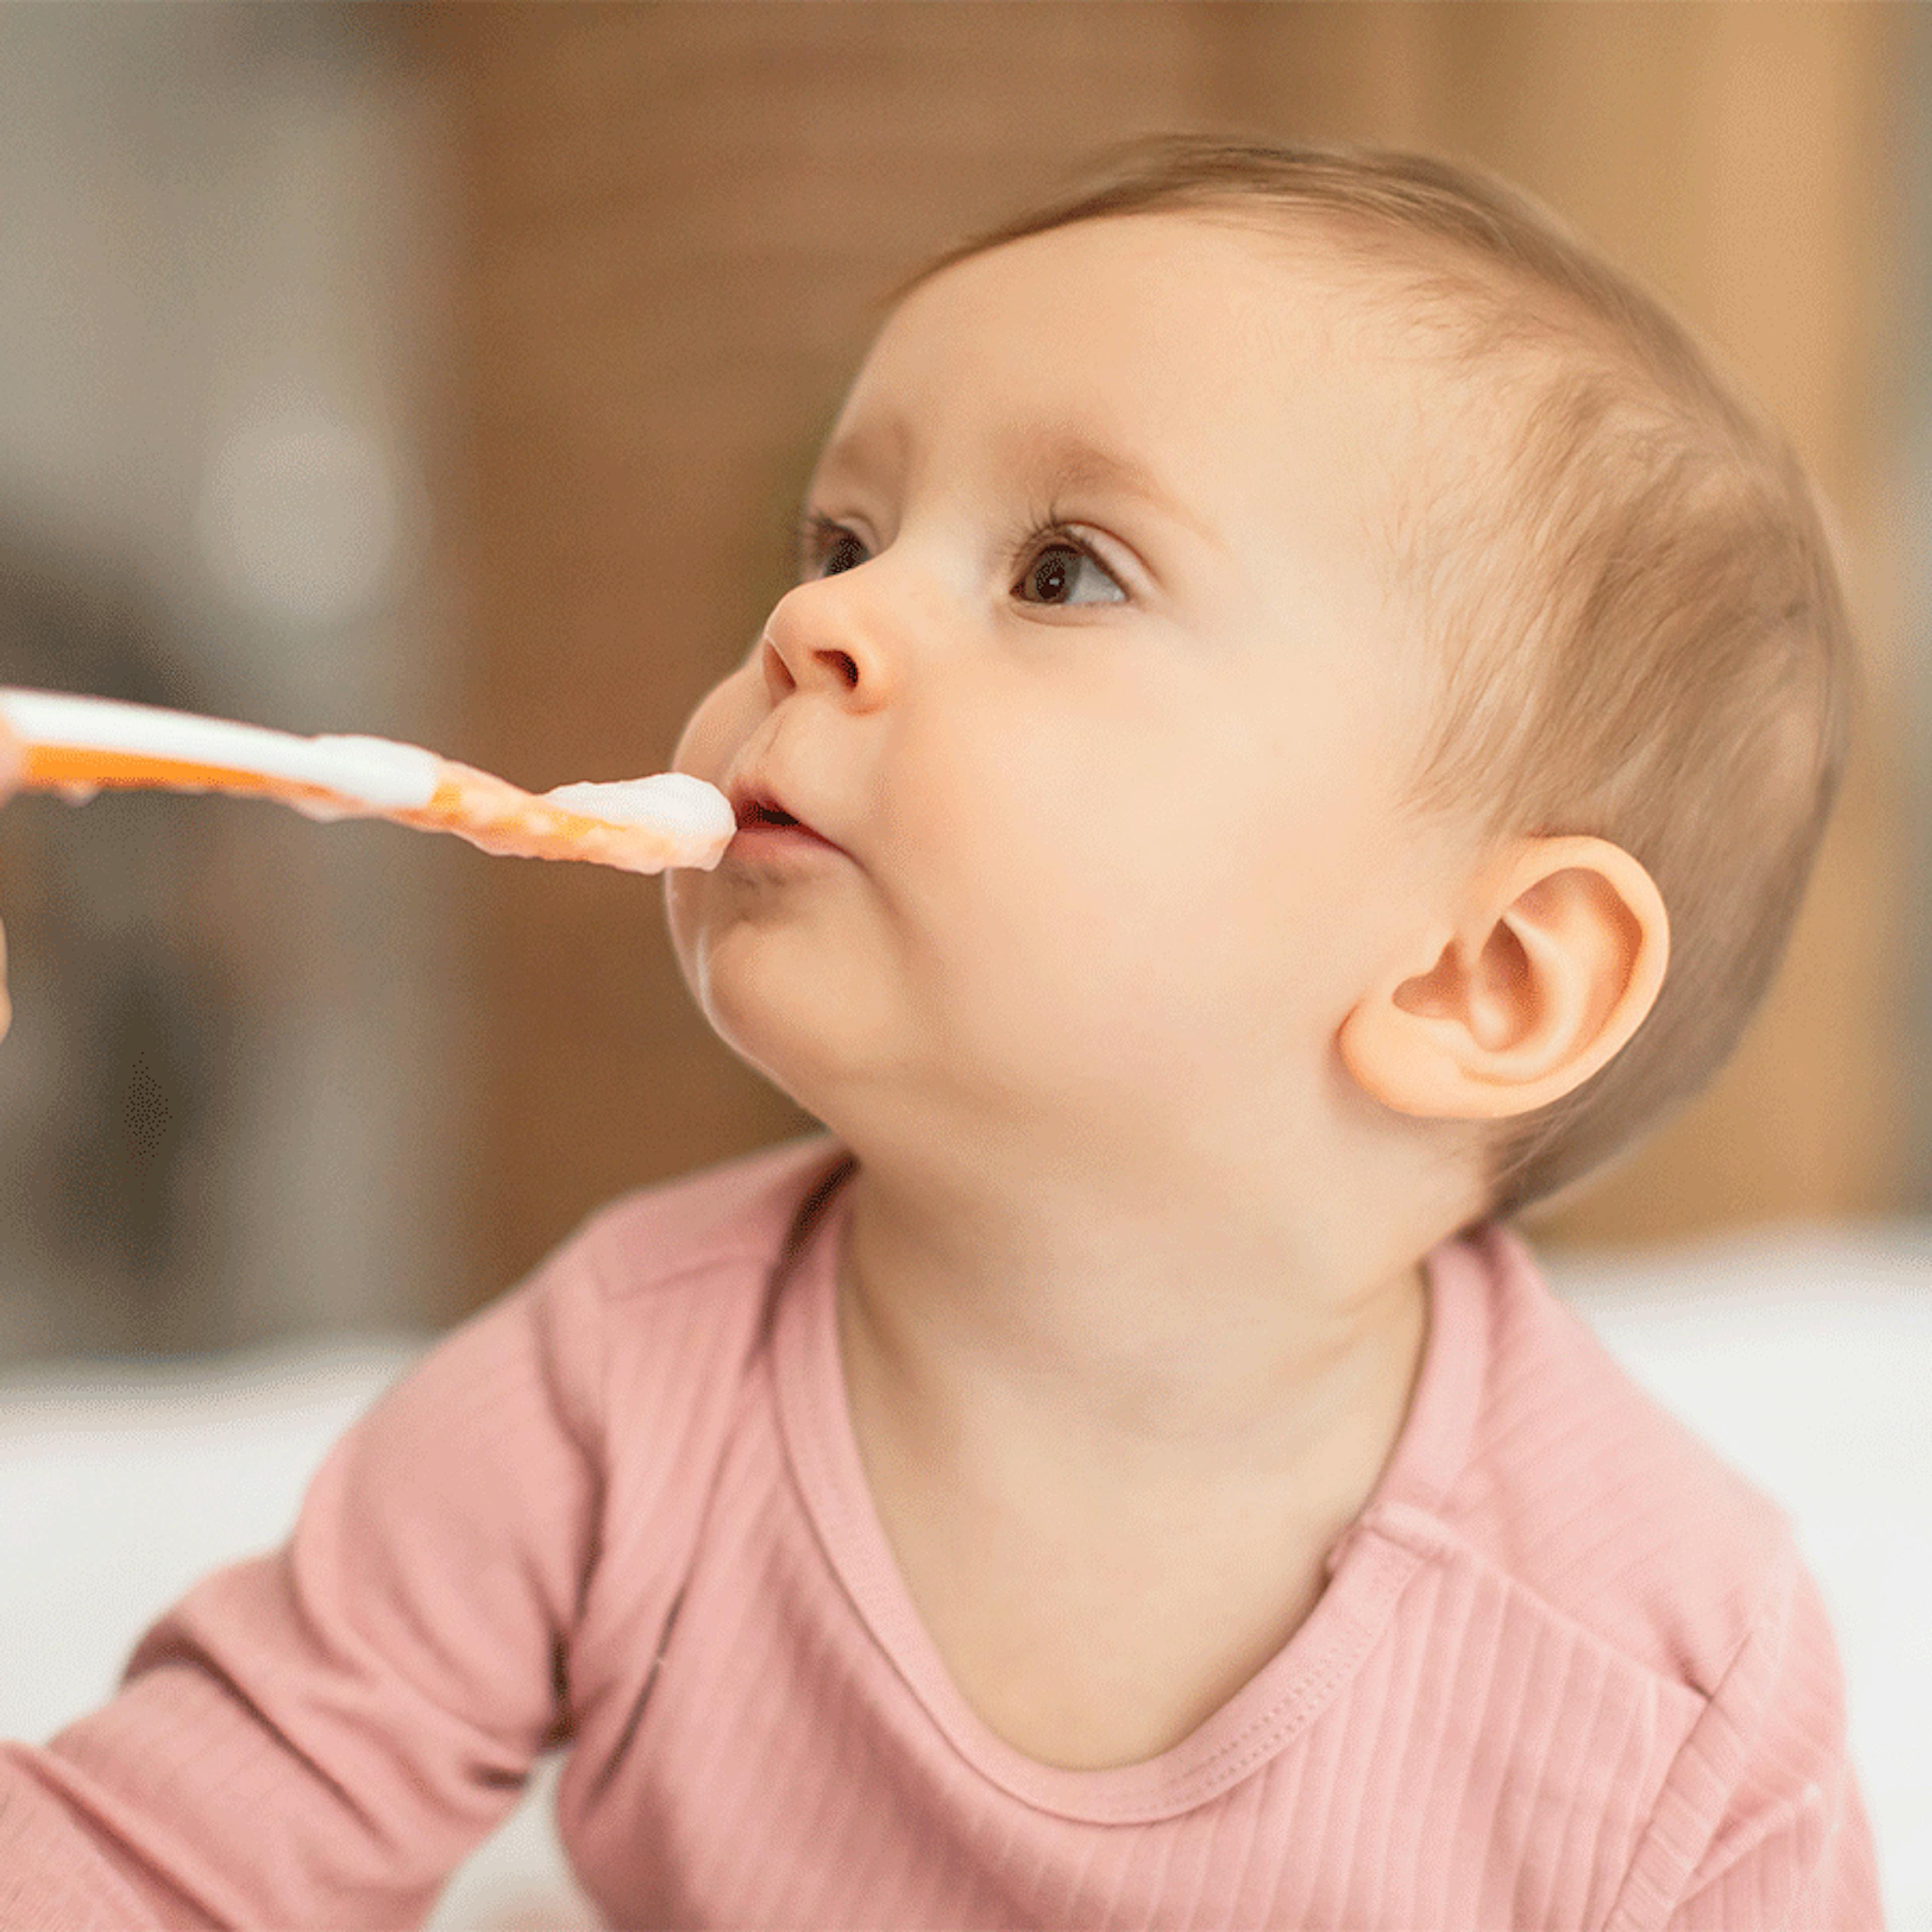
1596	1498
676	1279
647	1325
744	1214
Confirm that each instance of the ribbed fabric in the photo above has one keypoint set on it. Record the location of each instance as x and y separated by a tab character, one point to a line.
1567	1670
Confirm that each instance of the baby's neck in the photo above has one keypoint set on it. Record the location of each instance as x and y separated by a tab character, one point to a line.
1145	1337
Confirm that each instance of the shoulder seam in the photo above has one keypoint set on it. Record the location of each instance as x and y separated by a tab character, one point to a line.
654	1281
1430	1535
1787	1816
1755	1633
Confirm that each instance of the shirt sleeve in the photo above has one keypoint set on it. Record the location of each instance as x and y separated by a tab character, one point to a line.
1761	1826
319	1736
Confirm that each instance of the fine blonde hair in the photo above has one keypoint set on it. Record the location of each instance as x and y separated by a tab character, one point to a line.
1629	589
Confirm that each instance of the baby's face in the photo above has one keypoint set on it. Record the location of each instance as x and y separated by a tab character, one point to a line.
1091	690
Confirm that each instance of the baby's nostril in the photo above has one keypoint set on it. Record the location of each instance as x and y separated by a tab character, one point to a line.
847	667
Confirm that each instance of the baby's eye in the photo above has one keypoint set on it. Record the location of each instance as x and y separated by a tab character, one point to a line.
825	548
1057	566
1057	562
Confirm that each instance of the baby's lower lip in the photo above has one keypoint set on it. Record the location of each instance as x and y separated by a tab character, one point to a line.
767	839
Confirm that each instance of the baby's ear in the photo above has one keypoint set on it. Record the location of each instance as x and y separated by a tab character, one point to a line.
1558	962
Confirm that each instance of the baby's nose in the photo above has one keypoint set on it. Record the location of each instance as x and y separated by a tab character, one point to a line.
799	651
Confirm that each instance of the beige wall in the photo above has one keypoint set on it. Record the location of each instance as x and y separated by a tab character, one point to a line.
678	220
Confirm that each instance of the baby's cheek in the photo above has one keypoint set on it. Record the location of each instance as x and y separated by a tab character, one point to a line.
722	721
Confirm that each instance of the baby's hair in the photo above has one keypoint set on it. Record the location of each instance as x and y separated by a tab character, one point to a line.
1624	579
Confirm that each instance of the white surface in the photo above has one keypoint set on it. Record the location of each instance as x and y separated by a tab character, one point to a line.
1801	1357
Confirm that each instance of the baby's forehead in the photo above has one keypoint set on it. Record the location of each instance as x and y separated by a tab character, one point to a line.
1202	350
1164	323
1176	320
1209	273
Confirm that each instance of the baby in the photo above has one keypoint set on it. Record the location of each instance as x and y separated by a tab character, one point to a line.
1303	722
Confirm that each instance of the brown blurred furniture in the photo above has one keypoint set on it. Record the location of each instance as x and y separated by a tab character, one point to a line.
679	220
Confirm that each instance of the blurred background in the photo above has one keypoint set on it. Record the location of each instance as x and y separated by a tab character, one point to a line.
450	373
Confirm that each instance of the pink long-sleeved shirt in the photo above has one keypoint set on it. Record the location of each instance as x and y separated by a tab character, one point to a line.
1567	1671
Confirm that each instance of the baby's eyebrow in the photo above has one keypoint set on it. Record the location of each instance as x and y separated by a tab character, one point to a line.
1063	459
1052	460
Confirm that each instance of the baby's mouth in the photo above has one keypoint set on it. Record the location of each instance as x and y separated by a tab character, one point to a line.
756	811
765	825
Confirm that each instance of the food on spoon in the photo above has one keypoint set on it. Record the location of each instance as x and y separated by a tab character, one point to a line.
77	745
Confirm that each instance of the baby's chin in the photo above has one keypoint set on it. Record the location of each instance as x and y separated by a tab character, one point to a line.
805	1044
